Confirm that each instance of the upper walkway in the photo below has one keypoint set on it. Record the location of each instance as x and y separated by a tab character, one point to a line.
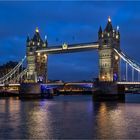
65	48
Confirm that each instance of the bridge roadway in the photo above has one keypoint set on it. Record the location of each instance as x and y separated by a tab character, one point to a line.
75	83
128	83
65	48
14	88
84	84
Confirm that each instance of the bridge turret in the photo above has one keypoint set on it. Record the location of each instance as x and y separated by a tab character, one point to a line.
100	32
108	59
28	39
117	34
46	41
109	27
36	62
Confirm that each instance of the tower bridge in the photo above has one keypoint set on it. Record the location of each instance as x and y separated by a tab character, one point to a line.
108	40
107	46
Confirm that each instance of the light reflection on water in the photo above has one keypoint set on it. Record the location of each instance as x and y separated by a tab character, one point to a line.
68	117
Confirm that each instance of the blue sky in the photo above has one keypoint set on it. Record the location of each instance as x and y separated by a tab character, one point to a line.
70	22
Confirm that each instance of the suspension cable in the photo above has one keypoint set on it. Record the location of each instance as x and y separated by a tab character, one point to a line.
9	74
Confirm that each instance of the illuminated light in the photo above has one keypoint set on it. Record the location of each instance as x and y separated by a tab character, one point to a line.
45	37
64	46
37	30
113	35
108	34
38	54
109	19
45	56
117	36
117	28
116	57
81	47
128	83
44	44
103	77
33	43
115	77
102	35
38	43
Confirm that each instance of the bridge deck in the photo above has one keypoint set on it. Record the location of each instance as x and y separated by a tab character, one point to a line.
128	83
70	48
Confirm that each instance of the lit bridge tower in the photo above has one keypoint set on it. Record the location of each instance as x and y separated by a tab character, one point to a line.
36	62
109	69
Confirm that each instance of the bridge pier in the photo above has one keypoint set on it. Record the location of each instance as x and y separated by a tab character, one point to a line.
34	91
109	91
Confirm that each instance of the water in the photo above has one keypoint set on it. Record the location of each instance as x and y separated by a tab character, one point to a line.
69	117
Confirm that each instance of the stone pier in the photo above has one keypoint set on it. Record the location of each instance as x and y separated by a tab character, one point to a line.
34	90
108	91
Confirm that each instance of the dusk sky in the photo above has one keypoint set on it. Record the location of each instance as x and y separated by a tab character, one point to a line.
70	22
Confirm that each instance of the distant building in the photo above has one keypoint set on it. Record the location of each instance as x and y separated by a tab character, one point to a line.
5	68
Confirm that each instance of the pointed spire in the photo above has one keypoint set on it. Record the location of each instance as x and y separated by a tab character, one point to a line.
36	36
117	32
109	27
117	28
109	19
100	30
28	39
37	30
45	37
46	40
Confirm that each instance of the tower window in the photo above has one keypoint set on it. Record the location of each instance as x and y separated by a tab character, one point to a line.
117	36
31	49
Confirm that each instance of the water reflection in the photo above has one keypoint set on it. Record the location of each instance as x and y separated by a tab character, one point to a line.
109	120
68	117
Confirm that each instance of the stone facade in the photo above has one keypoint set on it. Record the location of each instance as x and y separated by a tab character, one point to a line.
36	62
108	59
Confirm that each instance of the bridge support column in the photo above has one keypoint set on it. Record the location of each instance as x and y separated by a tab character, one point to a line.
34	90
126	72
132	74
108	91
138	76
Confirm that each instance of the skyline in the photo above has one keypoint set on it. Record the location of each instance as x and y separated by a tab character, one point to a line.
60	24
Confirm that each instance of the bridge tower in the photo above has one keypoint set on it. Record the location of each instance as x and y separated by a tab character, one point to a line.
36	62
109	38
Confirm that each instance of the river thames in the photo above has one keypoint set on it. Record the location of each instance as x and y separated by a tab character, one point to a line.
67	117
